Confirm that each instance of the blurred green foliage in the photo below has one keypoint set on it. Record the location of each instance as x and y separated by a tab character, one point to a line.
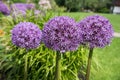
102	6
20	1
73	5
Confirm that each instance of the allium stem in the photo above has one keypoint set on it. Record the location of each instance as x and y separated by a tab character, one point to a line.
89	63
25	72
58	64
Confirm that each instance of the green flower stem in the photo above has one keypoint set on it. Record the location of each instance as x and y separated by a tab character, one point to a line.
89	64
25	72
58	65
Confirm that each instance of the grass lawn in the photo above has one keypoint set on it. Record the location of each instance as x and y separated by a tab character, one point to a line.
106	61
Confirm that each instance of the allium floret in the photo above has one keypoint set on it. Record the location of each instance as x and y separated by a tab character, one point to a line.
37	12
96	31
22	6
61	34
19	9
4	9
26	35
30	6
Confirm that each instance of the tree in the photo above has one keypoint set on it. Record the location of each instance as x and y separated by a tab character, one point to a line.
60	2
73	5
20	1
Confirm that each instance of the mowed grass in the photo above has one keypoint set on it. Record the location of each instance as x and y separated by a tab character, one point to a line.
106	61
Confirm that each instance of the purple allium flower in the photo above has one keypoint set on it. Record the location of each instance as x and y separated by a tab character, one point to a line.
96	31
26	35
4	9
18	6
61	34
18	13
37	12
22	6
30	6
19	9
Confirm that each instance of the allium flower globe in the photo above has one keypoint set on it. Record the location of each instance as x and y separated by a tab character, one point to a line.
22	6
37	12
26	35
30	6
19	9
18	6
61	34
96	31
4	9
